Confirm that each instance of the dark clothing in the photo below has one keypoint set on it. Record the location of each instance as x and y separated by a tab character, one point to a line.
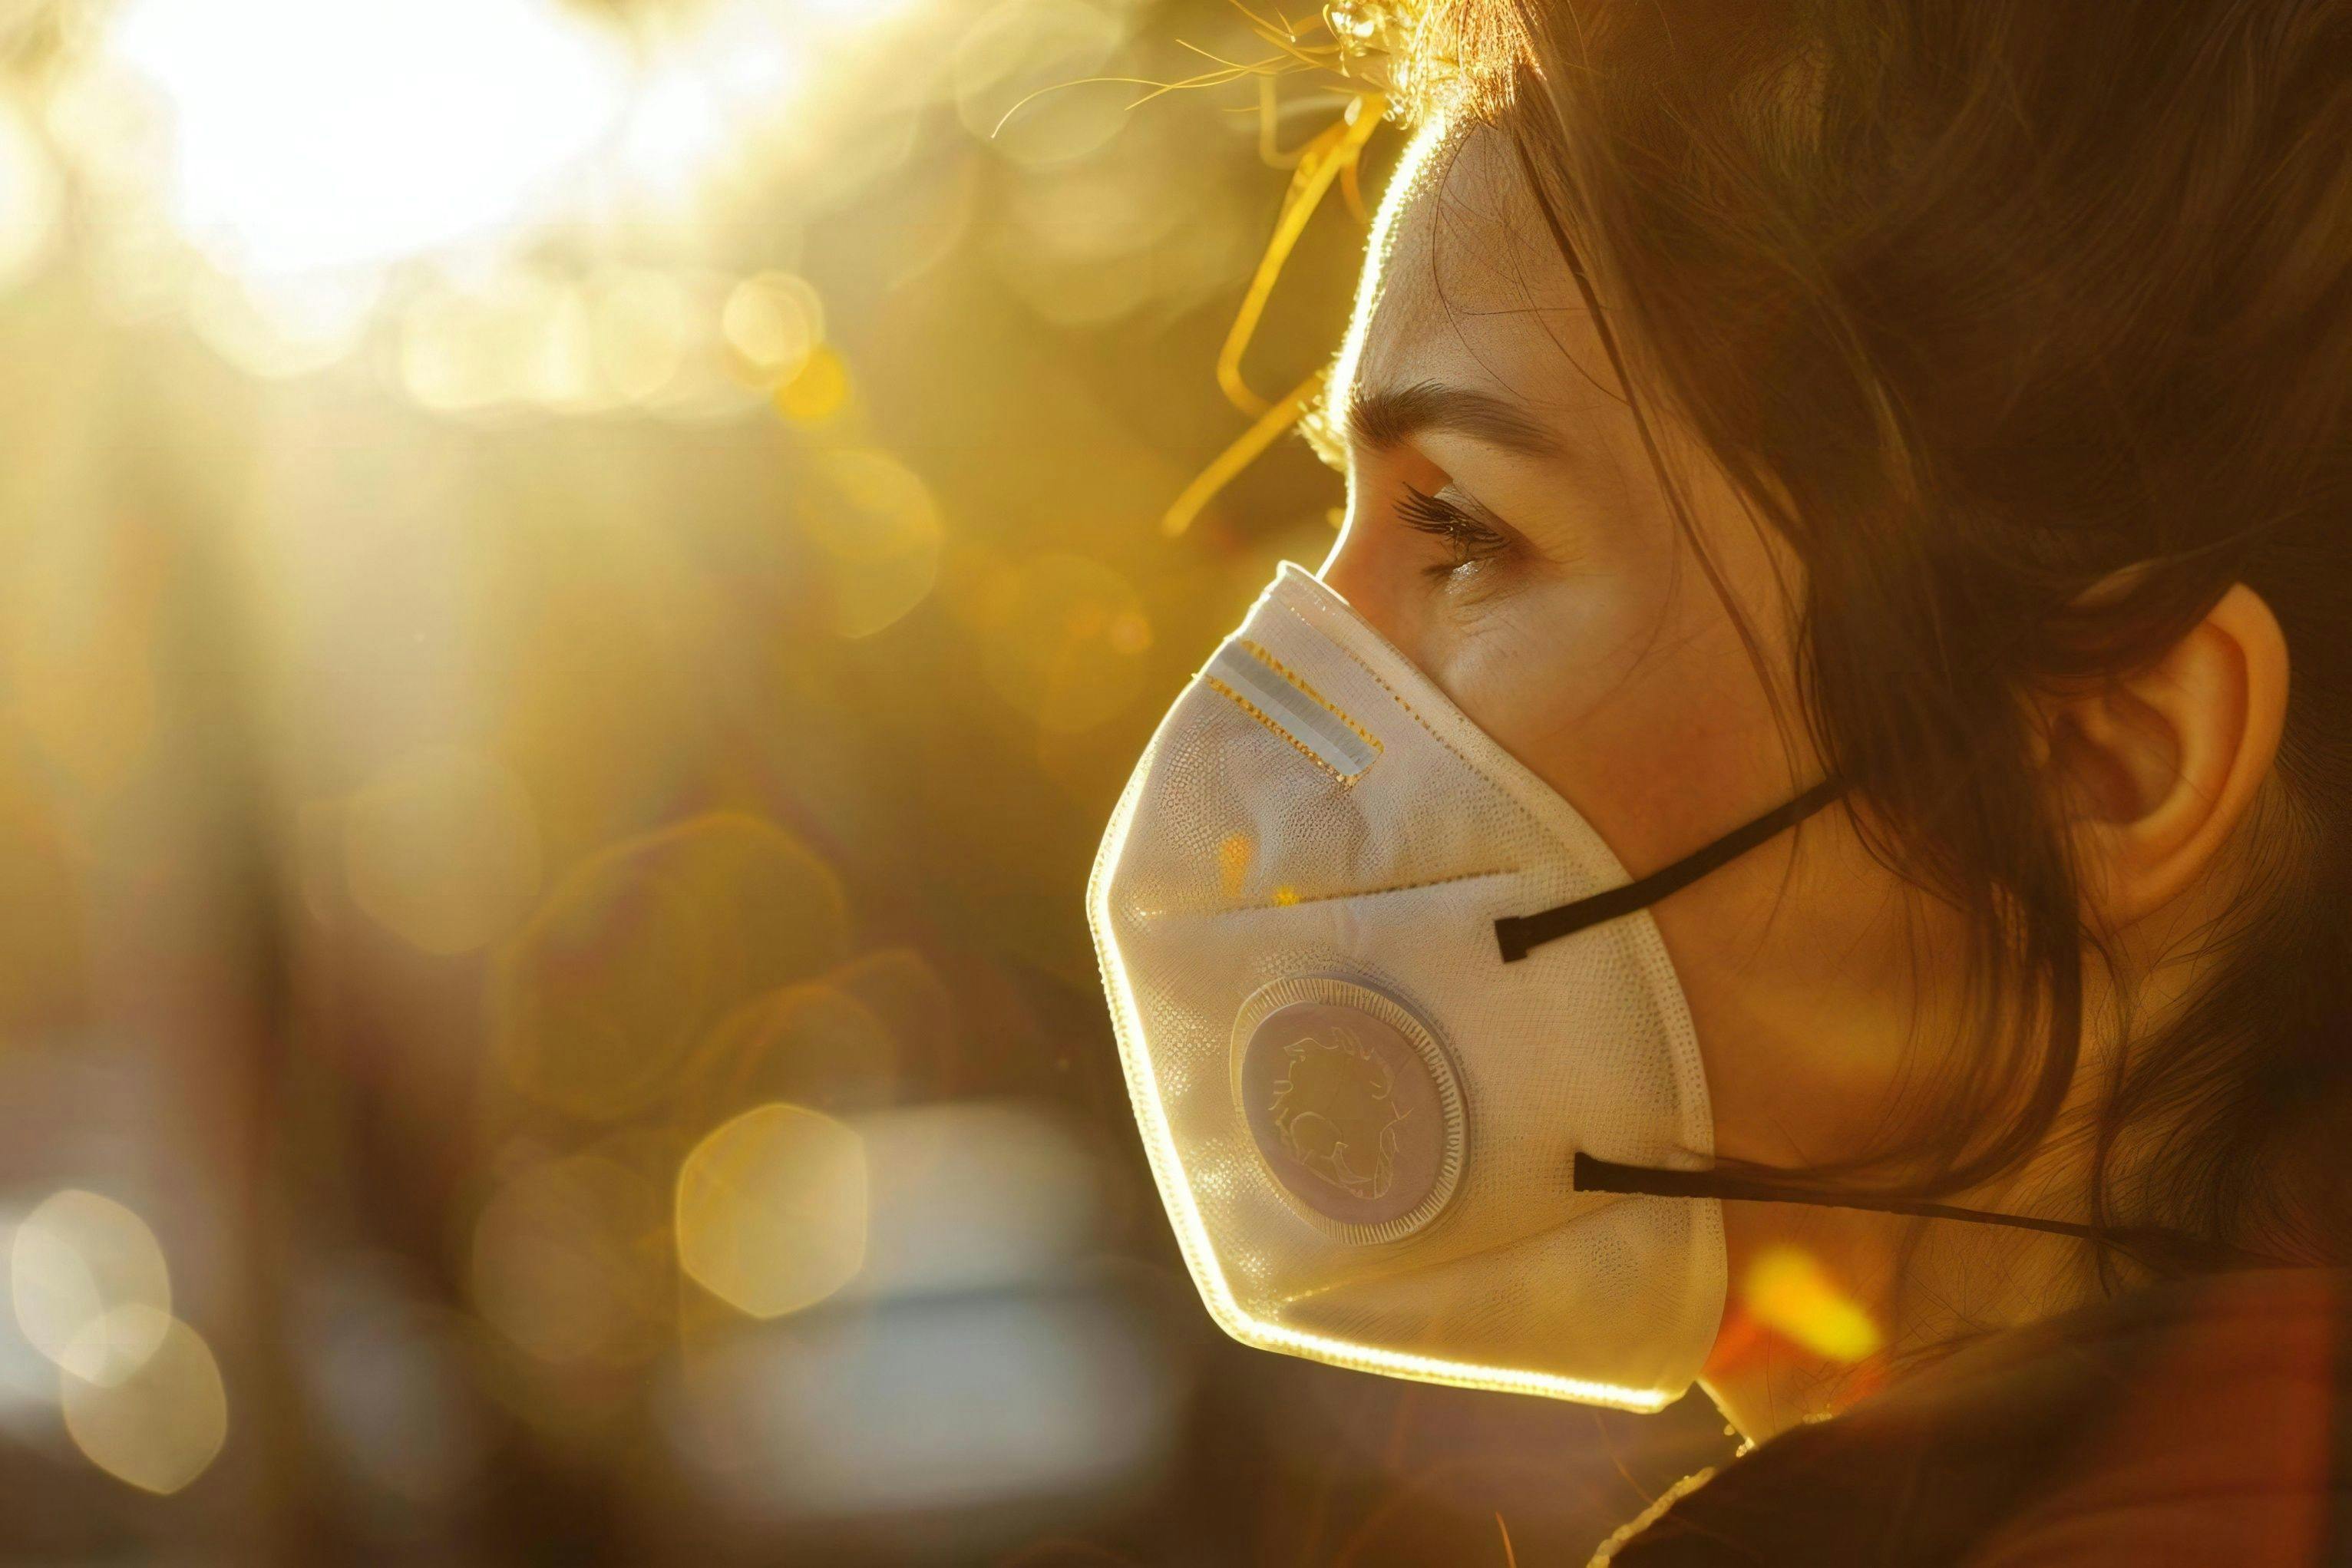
2190	1423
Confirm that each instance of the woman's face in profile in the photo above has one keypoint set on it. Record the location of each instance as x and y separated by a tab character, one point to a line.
1505	527
1507	531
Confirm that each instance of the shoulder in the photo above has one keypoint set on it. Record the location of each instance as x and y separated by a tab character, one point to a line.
2194	1423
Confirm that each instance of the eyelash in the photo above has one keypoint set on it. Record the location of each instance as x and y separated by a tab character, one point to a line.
1472	540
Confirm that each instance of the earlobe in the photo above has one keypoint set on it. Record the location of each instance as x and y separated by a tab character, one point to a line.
2158	767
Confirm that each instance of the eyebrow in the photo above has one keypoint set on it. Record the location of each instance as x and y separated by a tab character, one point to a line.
1389	416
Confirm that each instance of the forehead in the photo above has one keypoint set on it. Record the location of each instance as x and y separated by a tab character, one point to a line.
1467	286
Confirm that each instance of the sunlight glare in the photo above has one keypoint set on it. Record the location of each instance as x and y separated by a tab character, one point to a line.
421	122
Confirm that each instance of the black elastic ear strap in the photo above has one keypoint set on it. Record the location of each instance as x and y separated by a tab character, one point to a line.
1594	1174
1520	934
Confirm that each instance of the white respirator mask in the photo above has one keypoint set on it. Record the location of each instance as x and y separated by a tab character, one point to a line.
1401	1035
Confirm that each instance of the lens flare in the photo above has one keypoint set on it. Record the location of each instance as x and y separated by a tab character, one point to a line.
1788	1289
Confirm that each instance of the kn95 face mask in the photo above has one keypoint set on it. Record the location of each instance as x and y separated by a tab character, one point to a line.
1377	988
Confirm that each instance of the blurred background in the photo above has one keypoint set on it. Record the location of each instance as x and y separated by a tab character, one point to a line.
576	581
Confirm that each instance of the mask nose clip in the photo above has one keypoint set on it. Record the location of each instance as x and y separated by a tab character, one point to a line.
1517	936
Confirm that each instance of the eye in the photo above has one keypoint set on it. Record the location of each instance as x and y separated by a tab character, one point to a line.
1467	540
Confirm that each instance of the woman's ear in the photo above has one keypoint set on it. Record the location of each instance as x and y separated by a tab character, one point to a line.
2157	768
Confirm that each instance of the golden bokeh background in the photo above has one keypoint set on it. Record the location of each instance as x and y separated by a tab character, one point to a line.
580	578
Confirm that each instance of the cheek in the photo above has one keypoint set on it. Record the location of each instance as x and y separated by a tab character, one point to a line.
1649	717
1642	710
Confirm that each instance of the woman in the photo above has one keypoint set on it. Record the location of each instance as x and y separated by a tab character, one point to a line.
1799	839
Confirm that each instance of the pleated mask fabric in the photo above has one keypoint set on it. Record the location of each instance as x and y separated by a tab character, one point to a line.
1361	1121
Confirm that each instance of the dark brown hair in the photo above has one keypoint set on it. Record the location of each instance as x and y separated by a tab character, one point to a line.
1987	305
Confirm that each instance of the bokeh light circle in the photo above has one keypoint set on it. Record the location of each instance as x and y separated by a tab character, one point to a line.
1061	639
158	1426
772	1209
879	526
641	950
78	1265
773	321
567	1261
1020	81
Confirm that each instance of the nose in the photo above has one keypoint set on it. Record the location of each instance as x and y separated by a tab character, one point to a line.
1368	568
